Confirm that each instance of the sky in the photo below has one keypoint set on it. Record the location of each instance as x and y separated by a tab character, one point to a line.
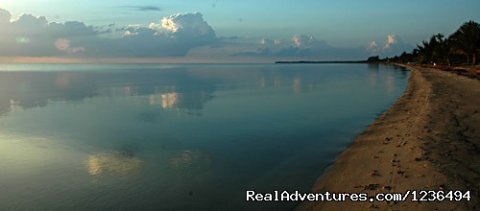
223	30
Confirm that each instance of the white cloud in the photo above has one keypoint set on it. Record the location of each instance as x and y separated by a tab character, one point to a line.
373	45
175	35
167	24
301	47
391	40
266	41
302	40
393	46
187	23
129	33
308	41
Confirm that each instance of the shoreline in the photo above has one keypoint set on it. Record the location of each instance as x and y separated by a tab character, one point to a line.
428	140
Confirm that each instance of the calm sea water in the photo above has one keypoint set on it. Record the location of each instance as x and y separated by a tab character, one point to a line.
178	137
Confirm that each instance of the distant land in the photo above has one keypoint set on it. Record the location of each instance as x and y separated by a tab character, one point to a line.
318	62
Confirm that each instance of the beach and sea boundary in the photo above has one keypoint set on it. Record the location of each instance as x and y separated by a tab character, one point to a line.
428	140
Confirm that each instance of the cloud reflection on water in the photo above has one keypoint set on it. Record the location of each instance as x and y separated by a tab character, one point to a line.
38	89
113	163
188	158
169	100
174	88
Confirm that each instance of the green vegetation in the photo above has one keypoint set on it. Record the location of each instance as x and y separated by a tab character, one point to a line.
462	47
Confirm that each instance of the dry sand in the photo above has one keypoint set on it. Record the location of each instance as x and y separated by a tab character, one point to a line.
429	140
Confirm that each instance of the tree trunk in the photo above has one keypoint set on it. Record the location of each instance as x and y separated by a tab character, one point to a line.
474	59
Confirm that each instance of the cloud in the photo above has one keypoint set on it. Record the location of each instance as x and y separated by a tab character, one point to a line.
178	35
173	35
302	47
63	45
303	41
35	36
267	41
144	8
373	45
185	24
4	16
391	40
393	46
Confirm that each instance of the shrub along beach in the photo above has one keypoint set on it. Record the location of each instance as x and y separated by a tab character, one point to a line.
429	140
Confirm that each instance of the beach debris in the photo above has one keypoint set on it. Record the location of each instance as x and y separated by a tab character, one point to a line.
387	140
395	162
403	143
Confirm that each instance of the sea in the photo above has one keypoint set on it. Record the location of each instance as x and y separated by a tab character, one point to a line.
179	136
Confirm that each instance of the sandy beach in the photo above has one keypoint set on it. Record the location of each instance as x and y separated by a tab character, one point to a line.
428	140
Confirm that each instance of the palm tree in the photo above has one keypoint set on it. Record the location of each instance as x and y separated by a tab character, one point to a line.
436	50
425	52
441	49
466	40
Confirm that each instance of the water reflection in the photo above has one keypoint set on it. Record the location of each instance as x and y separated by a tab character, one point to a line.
113	163
169	100
38	89
297	85
129	128
28	90
190	157
386	78
172	89
374	66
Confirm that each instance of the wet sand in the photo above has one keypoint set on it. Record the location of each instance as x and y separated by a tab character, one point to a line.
429	140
